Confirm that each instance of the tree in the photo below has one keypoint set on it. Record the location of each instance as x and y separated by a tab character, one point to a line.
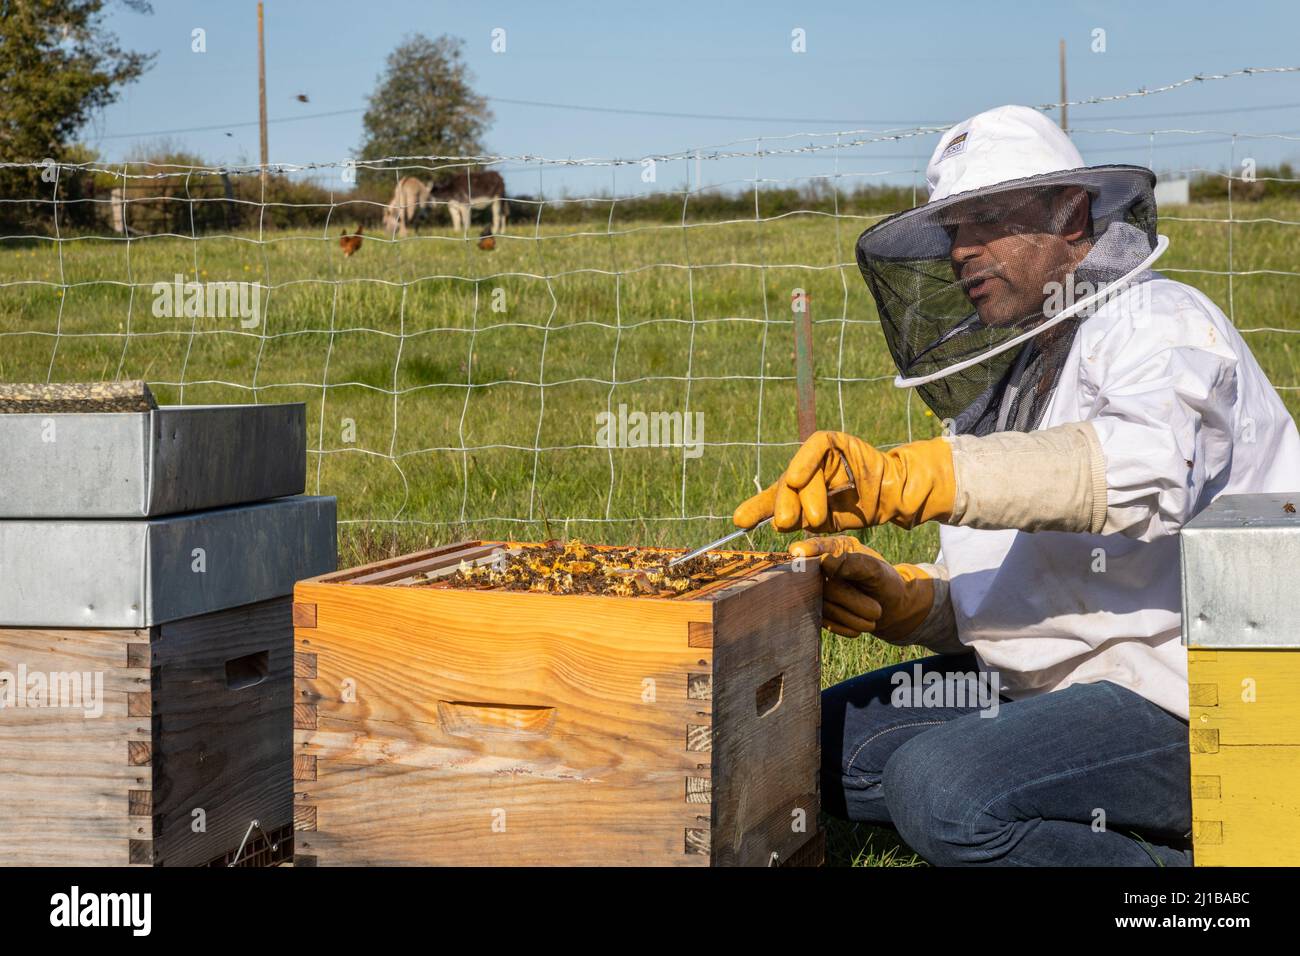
424	105
58	64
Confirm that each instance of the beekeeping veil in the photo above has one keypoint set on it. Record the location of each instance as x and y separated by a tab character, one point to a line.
981	290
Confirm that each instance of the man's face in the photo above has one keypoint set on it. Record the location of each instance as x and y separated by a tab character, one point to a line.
1007	250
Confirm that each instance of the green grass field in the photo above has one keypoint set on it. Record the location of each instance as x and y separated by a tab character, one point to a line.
420	364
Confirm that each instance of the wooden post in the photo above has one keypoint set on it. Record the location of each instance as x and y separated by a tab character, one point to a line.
1065	110
261	93
803	363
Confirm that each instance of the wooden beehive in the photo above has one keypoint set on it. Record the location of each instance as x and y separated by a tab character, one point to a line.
487	727
192	743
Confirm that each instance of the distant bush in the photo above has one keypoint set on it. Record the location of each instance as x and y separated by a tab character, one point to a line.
173	191
177	193
1213	187
714	206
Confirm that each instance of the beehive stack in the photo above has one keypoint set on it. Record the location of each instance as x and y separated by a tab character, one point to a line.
148	554
1240	613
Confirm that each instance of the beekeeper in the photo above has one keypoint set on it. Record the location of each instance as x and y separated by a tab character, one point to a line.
1091	408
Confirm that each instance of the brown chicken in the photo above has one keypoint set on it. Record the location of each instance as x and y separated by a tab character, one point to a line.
350	244
486	241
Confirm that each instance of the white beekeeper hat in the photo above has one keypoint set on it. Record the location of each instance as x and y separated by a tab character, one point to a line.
1002	150
1013	155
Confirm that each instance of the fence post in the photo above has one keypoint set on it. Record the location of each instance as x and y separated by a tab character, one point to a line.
800	305
261	99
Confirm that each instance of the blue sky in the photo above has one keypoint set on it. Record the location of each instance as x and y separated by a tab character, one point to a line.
868	65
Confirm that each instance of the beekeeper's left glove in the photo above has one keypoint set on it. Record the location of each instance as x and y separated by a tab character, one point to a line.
906	485
864	593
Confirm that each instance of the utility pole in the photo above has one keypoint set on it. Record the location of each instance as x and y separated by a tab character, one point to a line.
261	93
1065	110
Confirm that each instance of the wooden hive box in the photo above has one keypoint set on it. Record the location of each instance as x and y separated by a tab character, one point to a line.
490	727
189	742
146	696
1240	614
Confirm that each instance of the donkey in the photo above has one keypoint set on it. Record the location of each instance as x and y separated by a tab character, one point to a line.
463	192
410	199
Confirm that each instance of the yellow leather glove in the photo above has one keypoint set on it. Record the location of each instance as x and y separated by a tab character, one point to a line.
906	485
862	592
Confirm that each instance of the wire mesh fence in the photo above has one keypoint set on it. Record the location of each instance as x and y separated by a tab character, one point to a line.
614	362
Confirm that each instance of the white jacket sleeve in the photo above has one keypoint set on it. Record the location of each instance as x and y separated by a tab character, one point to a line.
1161	383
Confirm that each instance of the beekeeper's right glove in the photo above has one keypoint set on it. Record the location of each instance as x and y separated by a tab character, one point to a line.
1053	479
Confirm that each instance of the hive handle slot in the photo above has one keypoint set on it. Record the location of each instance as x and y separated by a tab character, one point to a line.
248	671
464	718
768	696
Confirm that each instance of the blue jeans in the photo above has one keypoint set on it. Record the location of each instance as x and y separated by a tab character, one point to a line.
1091	775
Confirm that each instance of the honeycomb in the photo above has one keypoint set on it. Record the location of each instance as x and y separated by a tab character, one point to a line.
576	568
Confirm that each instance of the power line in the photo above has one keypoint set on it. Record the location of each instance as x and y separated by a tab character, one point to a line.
664	113
716	117
707	116
226	126
536	103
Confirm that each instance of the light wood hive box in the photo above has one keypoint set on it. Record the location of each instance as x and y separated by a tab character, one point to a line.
196	715
490	727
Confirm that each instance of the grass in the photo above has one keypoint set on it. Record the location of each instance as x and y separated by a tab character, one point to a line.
420	363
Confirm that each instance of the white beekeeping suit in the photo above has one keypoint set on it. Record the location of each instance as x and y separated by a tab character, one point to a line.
1179	412
1182	413
1092	407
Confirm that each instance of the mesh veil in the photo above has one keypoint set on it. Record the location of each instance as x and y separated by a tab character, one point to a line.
935	312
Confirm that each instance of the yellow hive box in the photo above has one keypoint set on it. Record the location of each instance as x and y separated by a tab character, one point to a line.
1241	619
1245	738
